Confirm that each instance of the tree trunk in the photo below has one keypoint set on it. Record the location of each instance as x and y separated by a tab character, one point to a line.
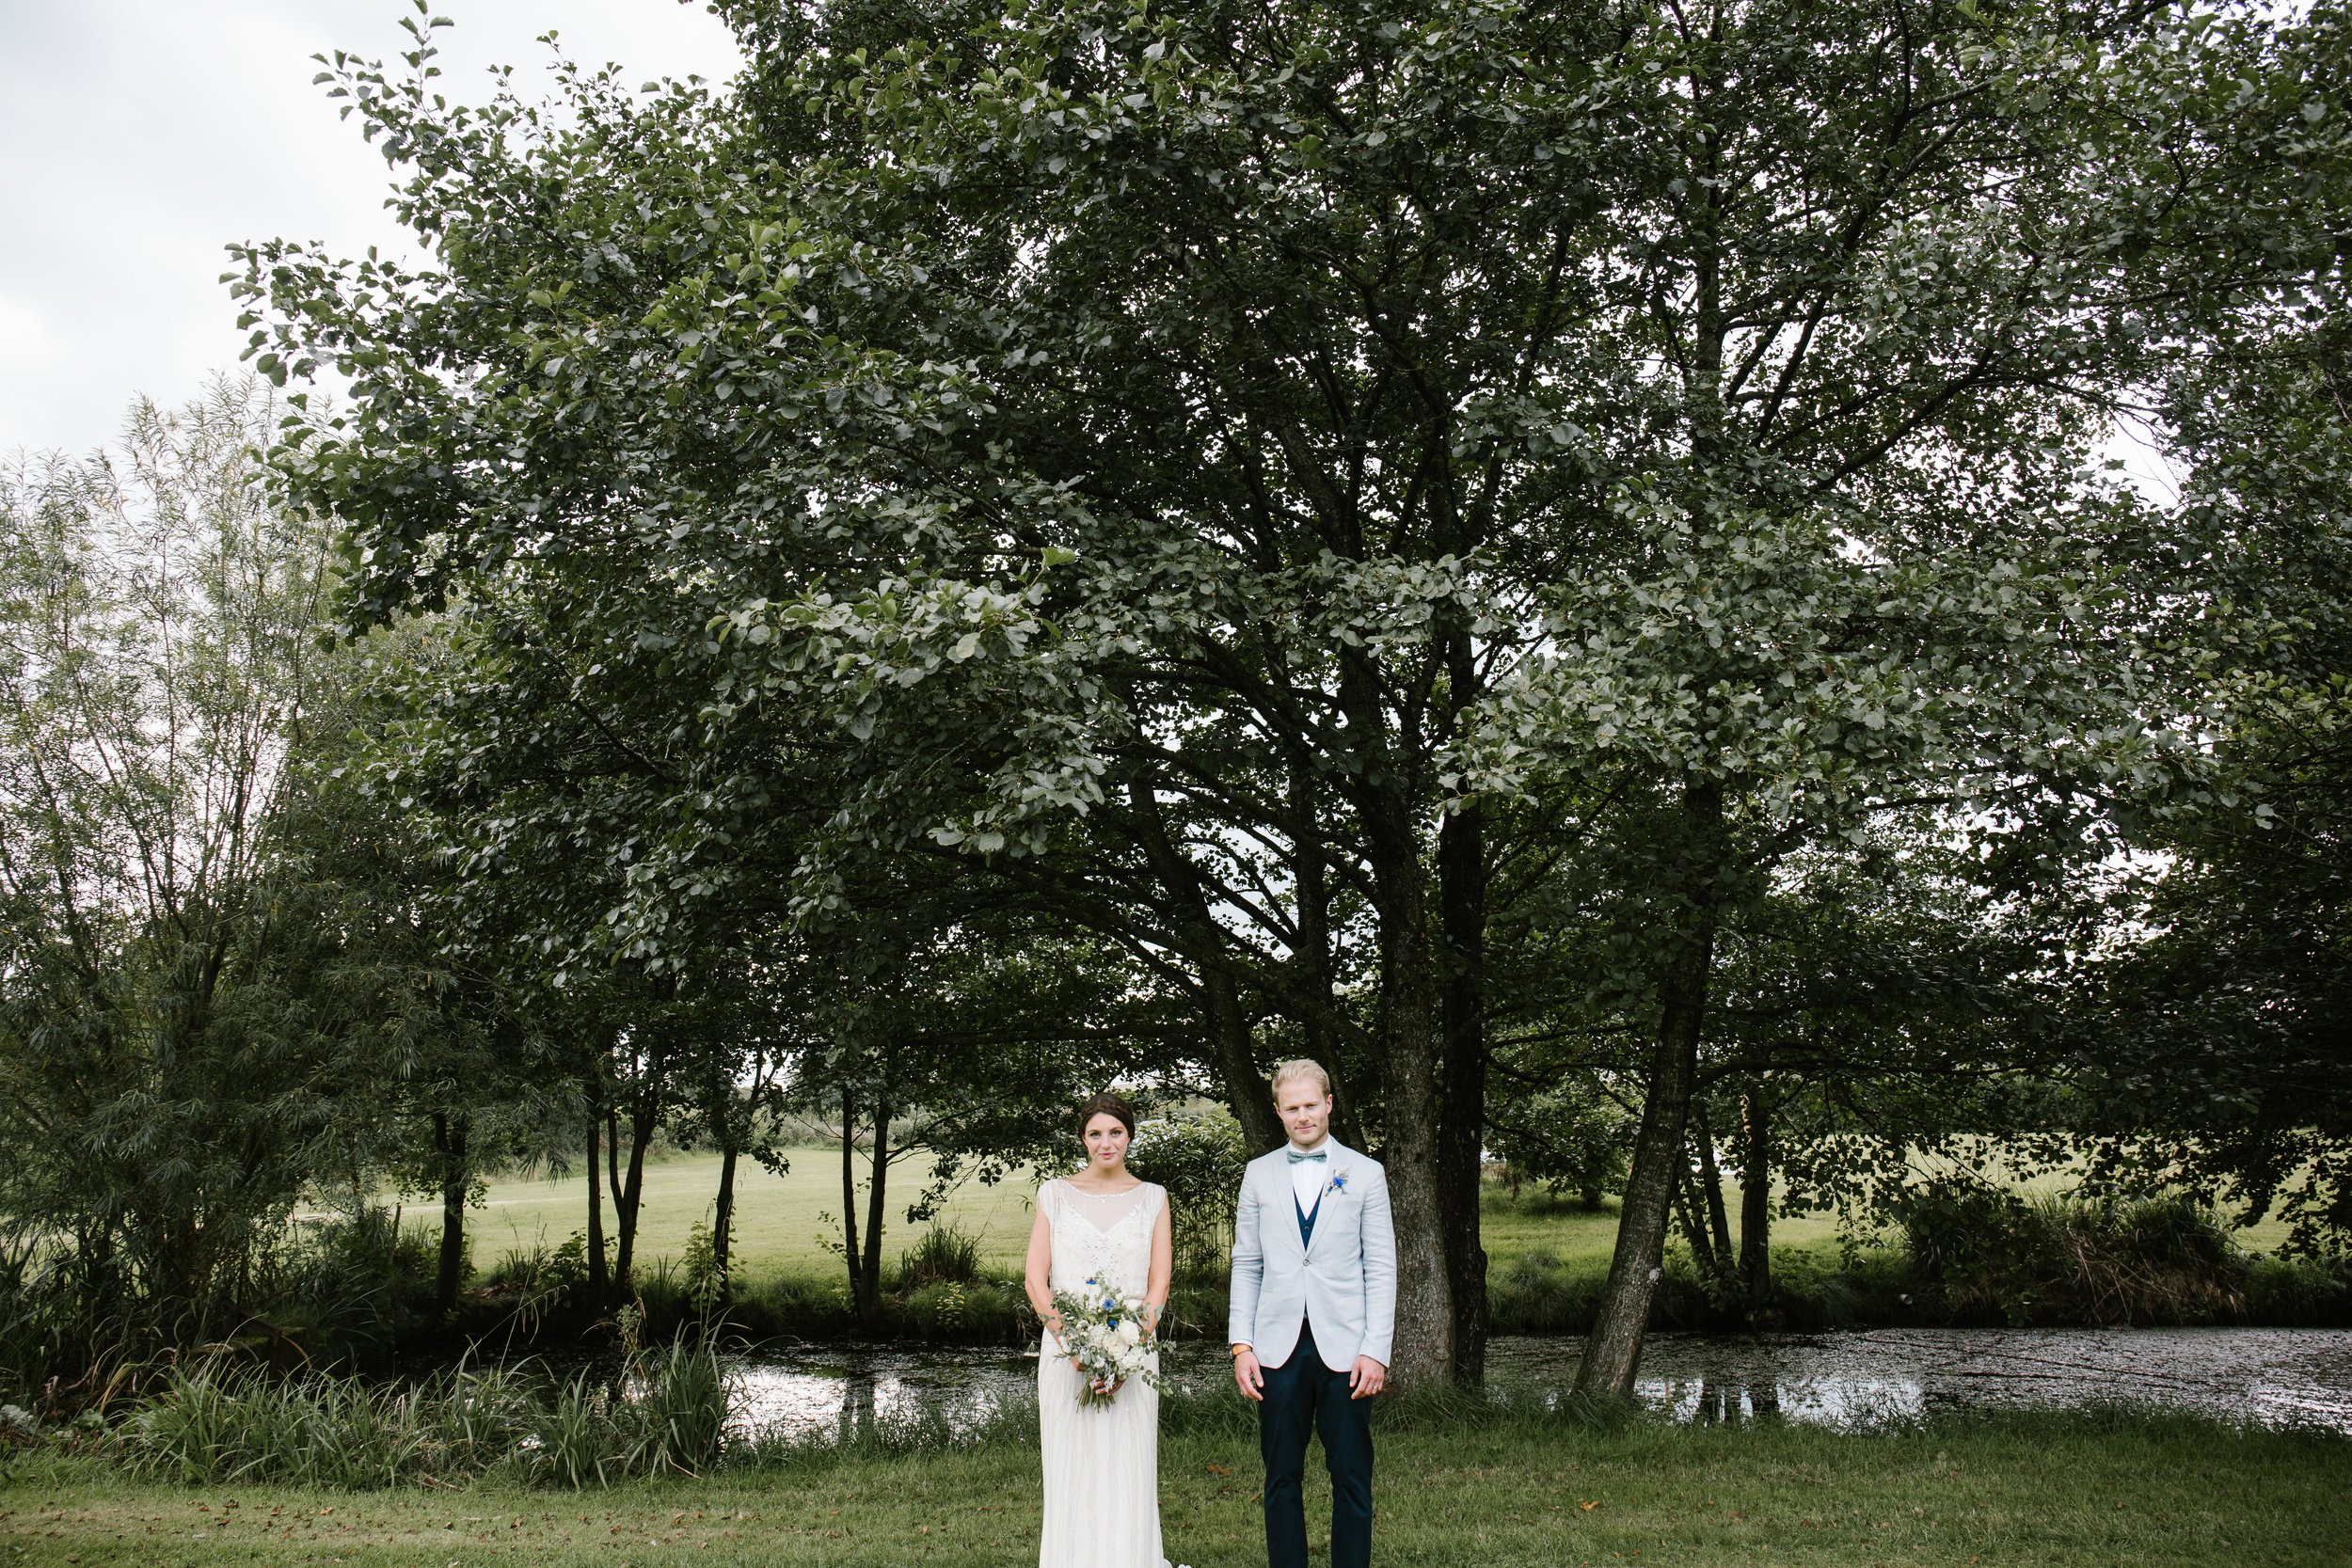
722	1219
1462	1114
848	1198
1232	1050
599	1283
870	1302
1756	1199
1311	951
1246	1092
1711	1183
612	1166
642	1127
1688	1206
1346	1125
1425	1299
1612	1351
1462	912
449	1141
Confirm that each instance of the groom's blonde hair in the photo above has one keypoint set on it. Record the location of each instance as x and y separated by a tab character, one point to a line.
1285	1072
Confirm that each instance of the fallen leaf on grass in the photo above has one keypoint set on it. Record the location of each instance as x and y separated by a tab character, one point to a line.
1590	1506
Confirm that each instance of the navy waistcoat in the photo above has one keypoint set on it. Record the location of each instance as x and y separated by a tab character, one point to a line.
1307	1219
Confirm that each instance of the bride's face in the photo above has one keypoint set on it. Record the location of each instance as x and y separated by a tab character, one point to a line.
1106	1144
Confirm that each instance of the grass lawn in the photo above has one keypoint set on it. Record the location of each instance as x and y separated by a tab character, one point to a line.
2033	1491
777	1228
1578	1235
779	1232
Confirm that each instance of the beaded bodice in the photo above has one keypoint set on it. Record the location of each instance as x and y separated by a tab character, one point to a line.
1105	1237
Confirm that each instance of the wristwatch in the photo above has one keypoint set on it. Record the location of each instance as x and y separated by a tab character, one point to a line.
1238	1348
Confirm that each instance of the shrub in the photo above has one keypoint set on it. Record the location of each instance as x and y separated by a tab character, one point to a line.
705	1286
803	1308
1195	1311
2300	1292
1988	1254
1538	1294
942	1254
1199	1158
938	1309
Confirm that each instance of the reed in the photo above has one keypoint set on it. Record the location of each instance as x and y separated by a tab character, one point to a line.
941	1255
666	1412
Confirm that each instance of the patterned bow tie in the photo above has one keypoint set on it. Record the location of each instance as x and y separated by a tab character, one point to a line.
1299	1154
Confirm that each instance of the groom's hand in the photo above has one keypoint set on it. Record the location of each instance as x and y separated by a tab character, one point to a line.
1368	1378
1248	1377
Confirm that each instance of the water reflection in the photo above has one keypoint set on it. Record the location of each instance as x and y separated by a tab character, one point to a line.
857	1397
1723	1403
2277	1376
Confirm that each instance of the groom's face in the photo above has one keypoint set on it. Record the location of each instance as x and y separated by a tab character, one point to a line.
1305	1110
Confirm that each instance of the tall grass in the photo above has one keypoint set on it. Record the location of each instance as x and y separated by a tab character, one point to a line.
212	1425
942	1255
666	1412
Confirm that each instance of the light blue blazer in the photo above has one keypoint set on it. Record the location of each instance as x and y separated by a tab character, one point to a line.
1344	1285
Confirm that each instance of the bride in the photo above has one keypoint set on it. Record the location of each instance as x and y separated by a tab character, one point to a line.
1102	1465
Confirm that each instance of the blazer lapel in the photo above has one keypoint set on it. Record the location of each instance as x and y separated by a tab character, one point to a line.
1333	1200
1278	1198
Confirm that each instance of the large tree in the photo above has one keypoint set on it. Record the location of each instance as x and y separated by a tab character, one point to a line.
2216	1055
1199	459
163	1092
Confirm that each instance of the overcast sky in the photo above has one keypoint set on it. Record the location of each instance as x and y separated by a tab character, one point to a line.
139	136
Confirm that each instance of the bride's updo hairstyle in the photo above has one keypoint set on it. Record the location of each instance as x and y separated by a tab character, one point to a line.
1107	1104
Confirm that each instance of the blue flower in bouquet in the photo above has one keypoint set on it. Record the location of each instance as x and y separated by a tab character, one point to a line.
1108	1335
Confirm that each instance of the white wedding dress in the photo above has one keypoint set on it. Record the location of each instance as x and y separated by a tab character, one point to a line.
1101	1465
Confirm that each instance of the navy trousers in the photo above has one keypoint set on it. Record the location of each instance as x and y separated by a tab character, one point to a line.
1304	1399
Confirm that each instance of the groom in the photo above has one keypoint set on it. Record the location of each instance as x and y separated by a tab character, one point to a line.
1314	1311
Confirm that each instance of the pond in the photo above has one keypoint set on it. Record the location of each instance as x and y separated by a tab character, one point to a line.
2277	1376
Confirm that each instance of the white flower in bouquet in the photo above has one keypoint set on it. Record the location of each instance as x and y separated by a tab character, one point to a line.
1106	1335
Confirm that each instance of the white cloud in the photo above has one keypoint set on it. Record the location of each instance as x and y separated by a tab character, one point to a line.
138	138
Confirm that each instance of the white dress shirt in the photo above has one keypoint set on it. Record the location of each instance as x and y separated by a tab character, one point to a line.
1310	1177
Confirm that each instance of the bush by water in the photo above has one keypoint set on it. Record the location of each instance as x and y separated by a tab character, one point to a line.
1974	1257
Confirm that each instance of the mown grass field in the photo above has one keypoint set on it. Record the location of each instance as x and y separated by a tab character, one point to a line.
782	1221
2037	1490
779	1229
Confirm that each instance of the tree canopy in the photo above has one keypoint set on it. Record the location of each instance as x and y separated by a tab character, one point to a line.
1246	483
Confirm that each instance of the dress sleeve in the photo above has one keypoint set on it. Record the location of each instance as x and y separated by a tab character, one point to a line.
1049	1201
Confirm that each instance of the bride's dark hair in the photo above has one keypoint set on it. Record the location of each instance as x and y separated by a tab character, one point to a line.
1107	1104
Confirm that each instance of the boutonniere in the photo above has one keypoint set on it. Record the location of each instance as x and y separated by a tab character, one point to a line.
1339	1181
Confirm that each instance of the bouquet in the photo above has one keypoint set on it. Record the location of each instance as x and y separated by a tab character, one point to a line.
1106	1333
